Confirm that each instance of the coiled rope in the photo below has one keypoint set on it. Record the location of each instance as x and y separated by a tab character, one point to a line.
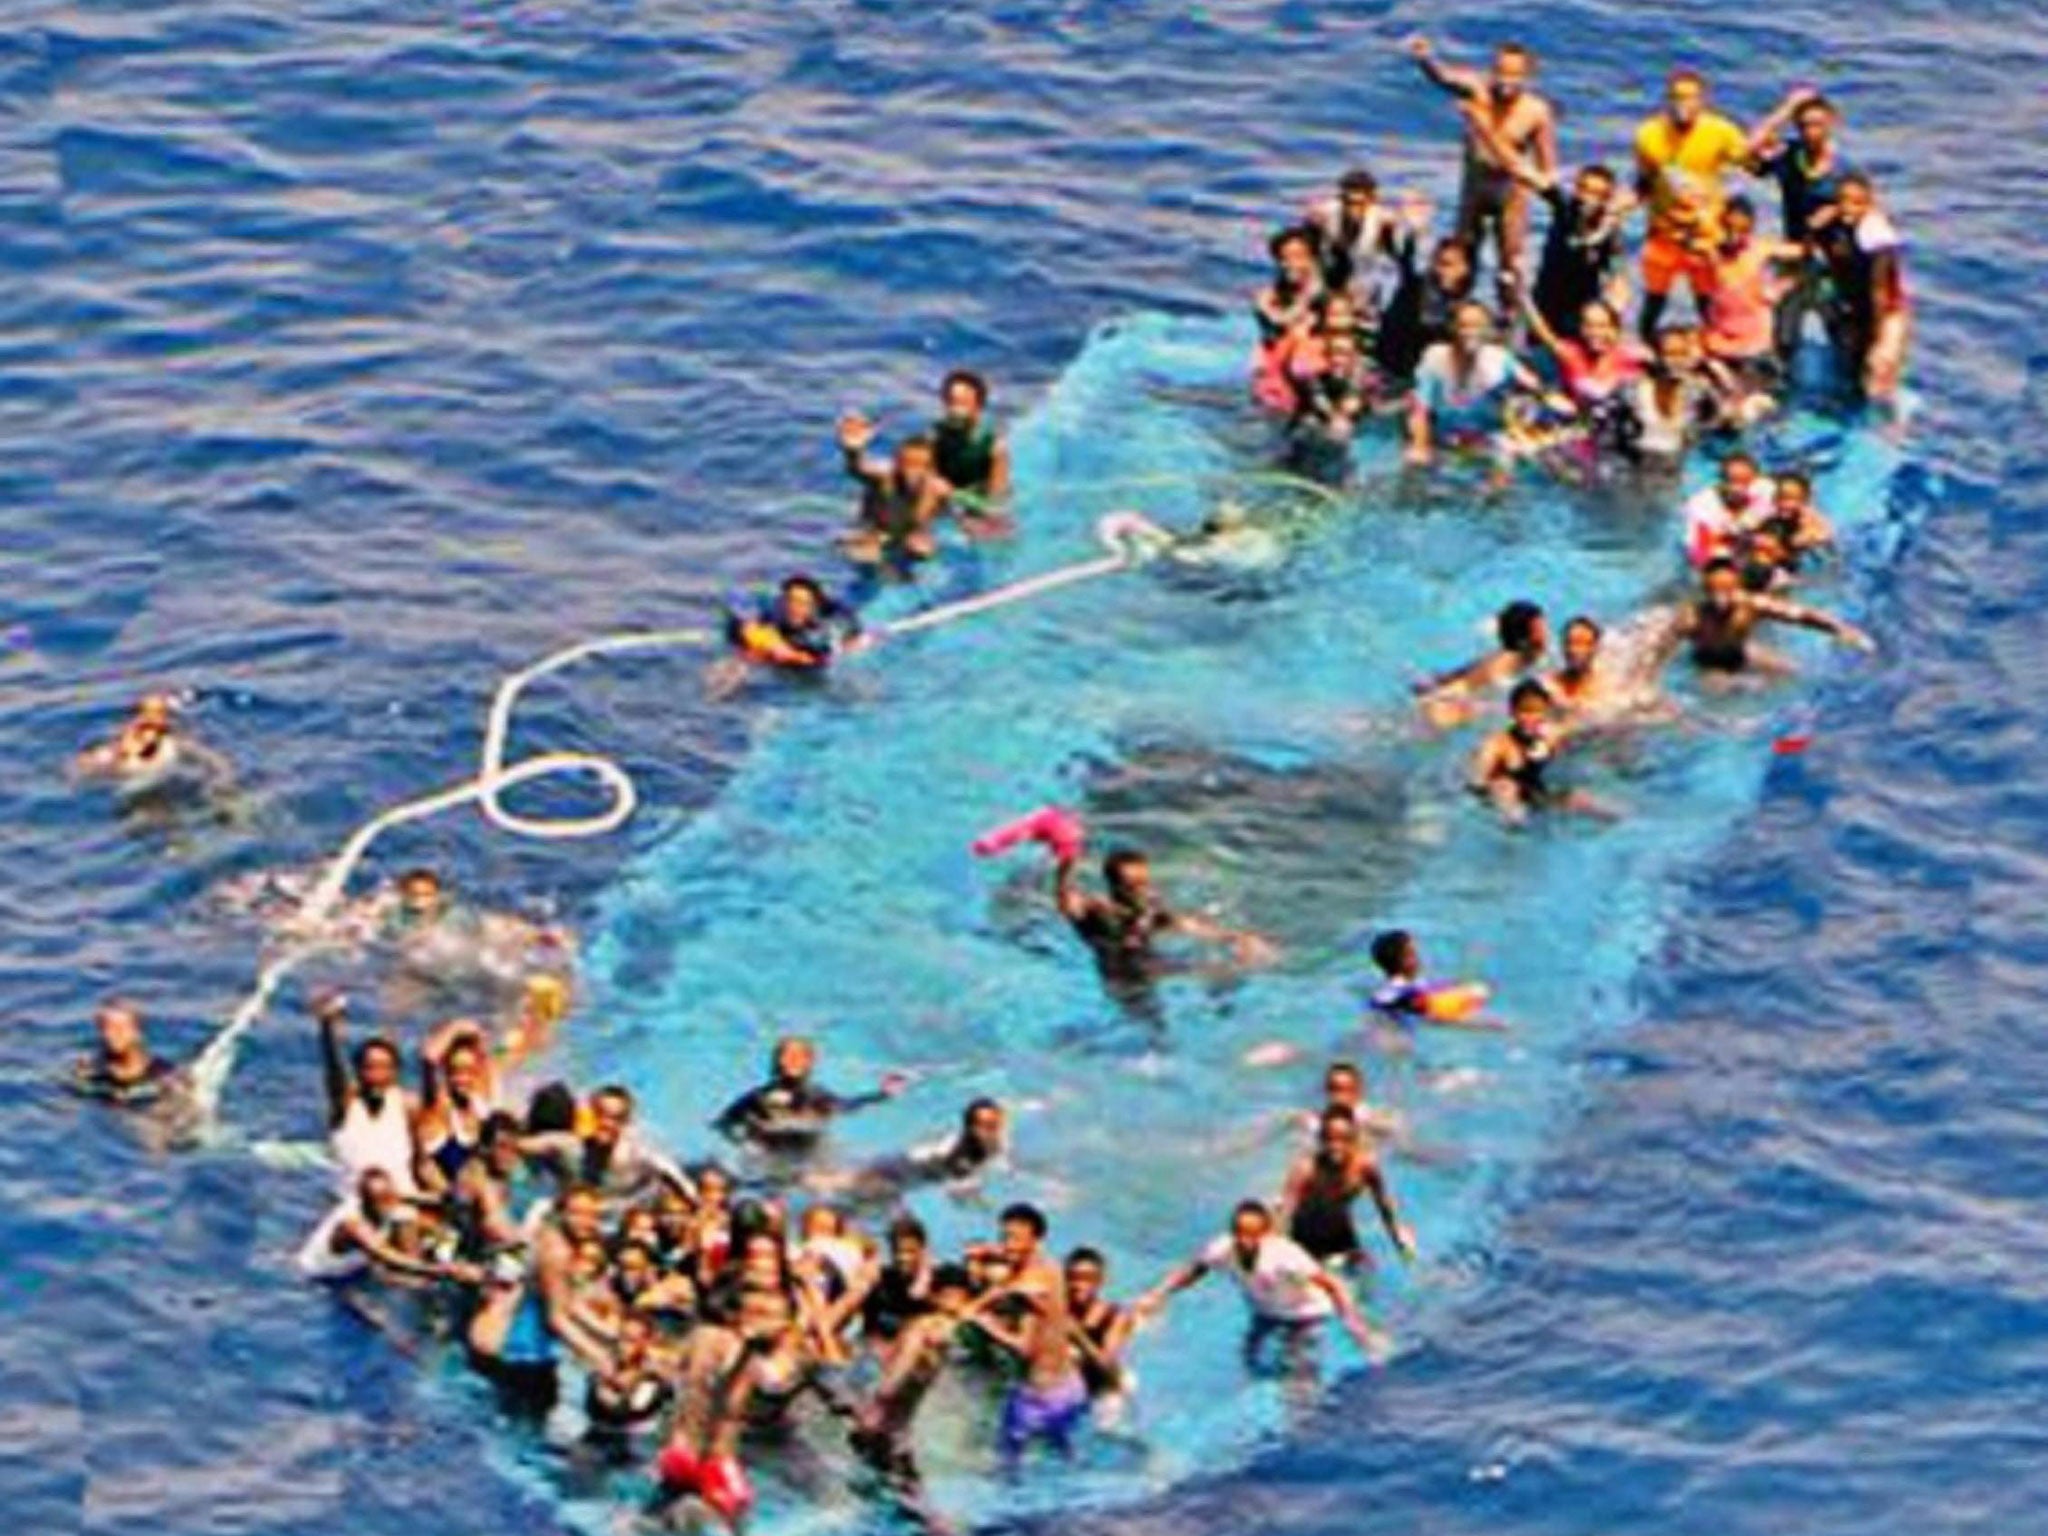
1127	537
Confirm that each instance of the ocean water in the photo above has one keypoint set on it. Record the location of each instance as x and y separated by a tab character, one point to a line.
353	356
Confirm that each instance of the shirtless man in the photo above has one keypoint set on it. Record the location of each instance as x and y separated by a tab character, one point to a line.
577	1222
901	498
1716	627
1584	688
1517	120
1322	1186
1451	698
701	1460
1032	1321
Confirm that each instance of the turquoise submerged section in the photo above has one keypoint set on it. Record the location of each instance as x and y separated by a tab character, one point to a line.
1257	739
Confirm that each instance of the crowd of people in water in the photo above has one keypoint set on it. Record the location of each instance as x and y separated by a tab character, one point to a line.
705	1308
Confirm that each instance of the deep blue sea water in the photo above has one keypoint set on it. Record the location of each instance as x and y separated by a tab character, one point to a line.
351	356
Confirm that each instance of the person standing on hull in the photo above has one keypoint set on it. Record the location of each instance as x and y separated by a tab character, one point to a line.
788	1115
1869	319
1358	240
970	455
1582	248
1321	1188
1809	173
1490	199
1461	393
1291	1296
1681	156
370	1117
1716	628
1033	1322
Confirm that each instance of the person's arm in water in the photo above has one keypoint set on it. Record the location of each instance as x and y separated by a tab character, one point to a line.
1452	78
331	1011
1398	1233
1781	611
1250	947
1368	1339
1421	430
385	1256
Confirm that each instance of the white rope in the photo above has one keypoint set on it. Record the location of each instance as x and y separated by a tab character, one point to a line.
1127	535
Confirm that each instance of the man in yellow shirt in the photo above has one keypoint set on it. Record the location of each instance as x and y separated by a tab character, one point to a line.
1681	154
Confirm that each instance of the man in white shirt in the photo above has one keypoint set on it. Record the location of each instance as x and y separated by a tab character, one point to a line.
1290	1295
1717	516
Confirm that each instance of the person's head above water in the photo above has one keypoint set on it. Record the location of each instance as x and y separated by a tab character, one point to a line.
793	1058
802	600
964	395
1857	197
1396	954
1513	64
1523	628
1336	1133
1529	705
119	1025
1023	1228
1250	1225
1815	121
420	892
1343	1082
1356	192
1738	219
1791	492
1128	874
1471	327
1721	583
982	1124
1450	264
1599	325
1737	479
377	1066
1294	253
914	461
1581	644
1685	96
611	1112
1086	1272
1678	348
376	1193
1594	186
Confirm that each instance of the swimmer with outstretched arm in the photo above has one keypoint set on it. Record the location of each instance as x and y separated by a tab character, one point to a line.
789	1113
151	748
1121	925
1408	998
1290	1295
1523	632
1716	628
